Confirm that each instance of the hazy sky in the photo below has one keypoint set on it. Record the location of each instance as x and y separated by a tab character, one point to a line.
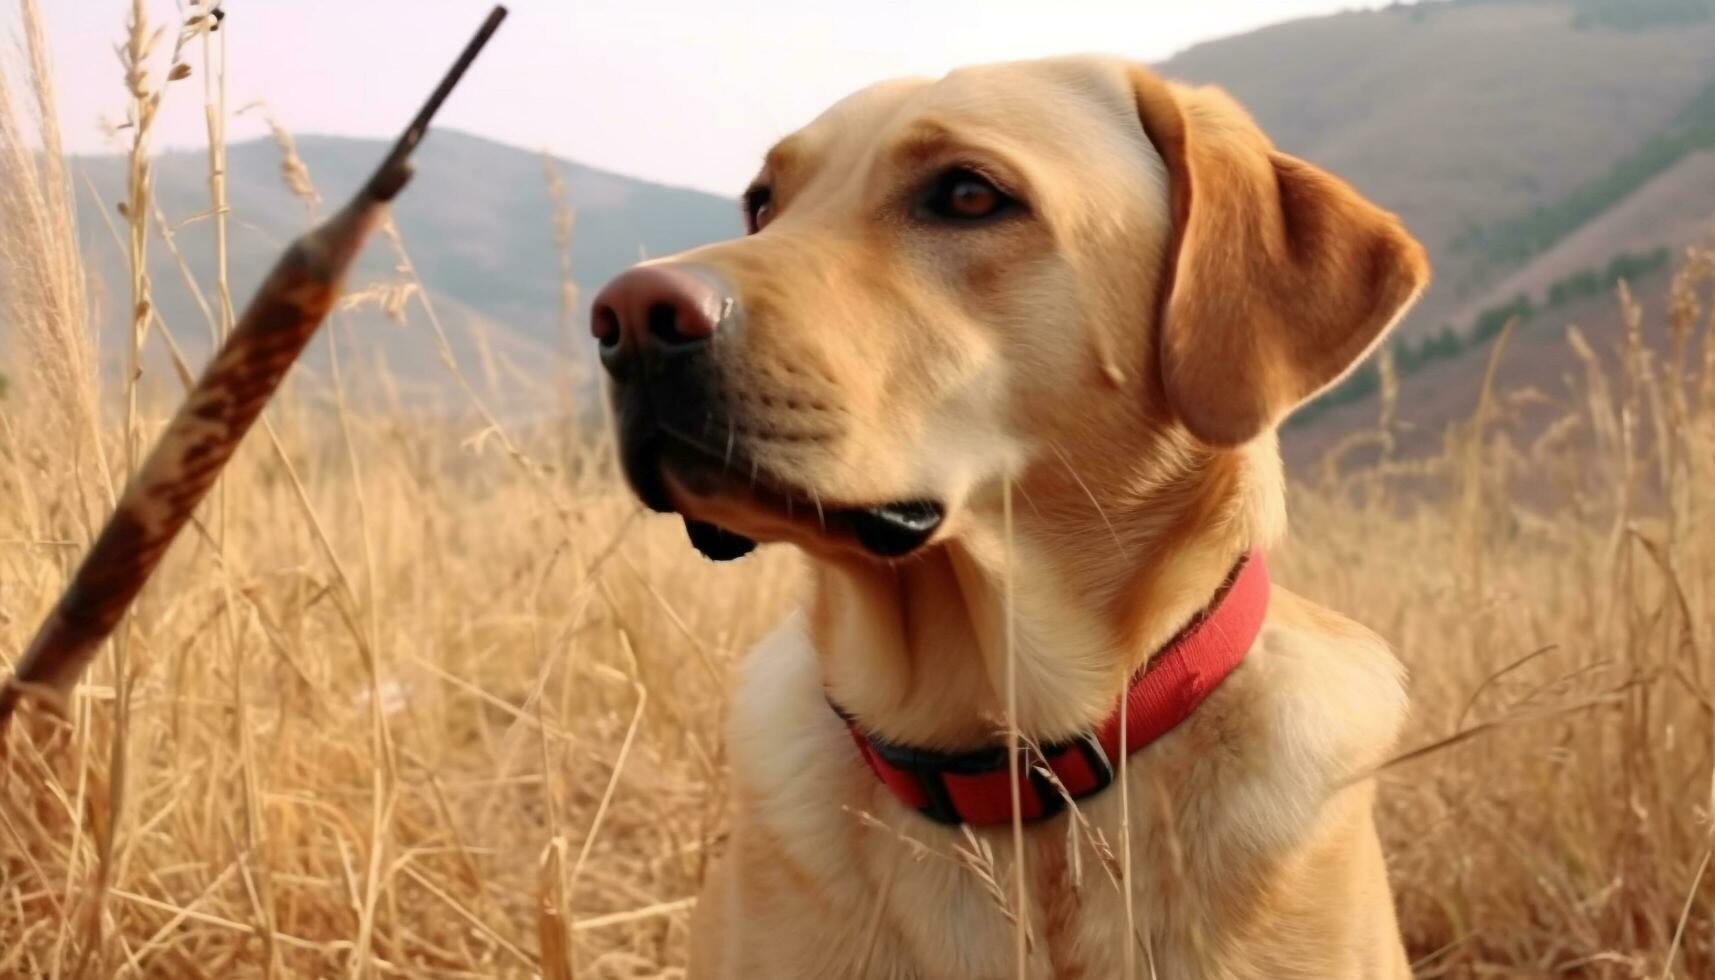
682	92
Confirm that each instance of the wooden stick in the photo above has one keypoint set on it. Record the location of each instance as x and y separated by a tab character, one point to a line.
280	320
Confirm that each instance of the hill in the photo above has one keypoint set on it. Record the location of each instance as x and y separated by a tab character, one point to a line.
477	219
1673	208
1470	117
1538	381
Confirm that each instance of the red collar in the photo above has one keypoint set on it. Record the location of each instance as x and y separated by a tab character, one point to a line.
975	787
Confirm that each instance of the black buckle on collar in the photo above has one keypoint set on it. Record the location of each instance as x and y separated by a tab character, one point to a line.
926	767
1054	795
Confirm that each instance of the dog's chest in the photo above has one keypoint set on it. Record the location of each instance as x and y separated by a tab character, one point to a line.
1221	816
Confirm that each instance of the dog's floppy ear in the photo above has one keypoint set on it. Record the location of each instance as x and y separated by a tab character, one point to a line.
1280	276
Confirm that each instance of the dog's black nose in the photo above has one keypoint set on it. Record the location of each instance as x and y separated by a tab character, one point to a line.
658	310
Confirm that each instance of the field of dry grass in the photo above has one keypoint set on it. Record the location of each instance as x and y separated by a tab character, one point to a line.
427	696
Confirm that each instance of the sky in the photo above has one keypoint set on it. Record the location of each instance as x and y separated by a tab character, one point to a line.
680	92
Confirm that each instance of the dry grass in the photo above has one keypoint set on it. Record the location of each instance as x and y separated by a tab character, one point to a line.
1555	601
428	697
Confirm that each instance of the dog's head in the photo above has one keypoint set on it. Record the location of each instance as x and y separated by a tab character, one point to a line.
947	282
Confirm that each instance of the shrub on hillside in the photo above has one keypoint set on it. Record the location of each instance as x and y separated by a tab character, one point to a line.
1410	357
1637	15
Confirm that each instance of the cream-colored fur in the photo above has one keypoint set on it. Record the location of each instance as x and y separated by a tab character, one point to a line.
1106	366
1246	861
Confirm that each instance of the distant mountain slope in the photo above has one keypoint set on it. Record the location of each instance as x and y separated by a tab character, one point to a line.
1519	238
477	220
1540	380
1672	209
1462	115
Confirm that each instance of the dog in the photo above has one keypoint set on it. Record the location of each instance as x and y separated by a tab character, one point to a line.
1004	353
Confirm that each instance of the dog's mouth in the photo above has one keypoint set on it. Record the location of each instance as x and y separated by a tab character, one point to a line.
729	504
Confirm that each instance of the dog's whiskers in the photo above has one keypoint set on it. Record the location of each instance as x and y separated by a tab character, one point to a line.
1101	512
1029	501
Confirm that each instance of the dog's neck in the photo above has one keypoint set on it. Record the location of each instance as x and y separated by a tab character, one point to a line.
1098	581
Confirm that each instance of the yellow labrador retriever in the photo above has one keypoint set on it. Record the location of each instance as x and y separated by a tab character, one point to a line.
1004	353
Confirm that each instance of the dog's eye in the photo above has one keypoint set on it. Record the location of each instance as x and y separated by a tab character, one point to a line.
964	195
758	208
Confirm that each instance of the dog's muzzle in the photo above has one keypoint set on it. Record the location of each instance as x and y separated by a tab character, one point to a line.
659	328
